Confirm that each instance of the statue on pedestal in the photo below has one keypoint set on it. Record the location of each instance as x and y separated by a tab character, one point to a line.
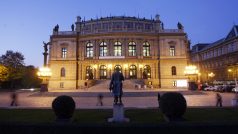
116	85
45	52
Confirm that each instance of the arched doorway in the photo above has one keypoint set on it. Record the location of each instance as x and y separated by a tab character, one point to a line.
103	72
120	69
89	72
147	72
132	72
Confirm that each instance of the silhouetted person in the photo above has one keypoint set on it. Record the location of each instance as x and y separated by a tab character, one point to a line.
86	85
14	99
158	97
116	85
219	100
100	97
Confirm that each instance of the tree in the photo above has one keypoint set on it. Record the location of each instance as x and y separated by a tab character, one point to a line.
3	73
14	61
30	78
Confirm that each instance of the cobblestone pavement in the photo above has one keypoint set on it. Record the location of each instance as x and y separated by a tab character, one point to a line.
88	100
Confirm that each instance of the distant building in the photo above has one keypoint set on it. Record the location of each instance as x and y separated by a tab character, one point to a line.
145	52
219	58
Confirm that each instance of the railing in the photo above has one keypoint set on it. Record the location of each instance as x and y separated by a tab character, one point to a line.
65	33
100	31
172	31
111	57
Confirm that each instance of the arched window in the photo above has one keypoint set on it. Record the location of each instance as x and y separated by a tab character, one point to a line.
62	72
147	72
103	72
118	67
103	49
117	48
89	49
132	72
89	72
146	49
173	70
132	49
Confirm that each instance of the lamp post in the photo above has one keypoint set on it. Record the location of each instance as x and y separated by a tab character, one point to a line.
95	69
44	73
110	70
211	75
140	67
125	68
190	71
229	72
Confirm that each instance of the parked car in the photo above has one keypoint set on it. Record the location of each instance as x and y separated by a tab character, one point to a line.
235	89
209	88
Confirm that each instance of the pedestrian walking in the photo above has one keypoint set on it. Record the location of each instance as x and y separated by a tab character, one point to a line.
100	98
158	97
14	99
219	100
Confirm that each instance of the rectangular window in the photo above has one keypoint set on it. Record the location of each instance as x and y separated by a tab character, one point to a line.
89	50
64	52
61	84
172	51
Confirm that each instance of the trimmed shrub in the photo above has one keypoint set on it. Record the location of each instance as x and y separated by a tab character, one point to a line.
173	105
63	107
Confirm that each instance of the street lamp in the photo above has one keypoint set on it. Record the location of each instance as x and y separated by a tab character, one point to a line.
125	67
110	69
44	73
140	67
211	75
95	68
229	73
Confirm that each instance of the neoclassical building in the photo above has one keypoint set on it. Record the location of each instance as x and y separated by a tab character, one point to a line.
219	58
145	52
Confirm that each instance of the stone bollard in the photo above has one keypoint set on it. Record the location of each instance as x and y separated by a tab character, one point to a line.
118	114
234	102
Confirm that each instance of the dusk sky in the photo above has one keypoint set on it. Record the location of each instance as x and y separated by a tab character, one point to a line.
25	24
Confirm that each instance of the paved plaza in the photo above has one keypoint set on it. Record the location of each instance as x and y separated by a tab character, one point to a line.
131	99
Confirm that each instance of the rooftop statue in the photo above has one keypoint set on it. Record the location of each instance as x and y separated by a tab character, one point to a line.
72	27
179	25
56	28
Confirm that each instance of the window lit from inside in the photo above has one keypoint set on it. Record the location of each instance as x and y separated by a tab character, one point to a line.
117	48
172	51
103	49
89	49
64	52
132	49
146	49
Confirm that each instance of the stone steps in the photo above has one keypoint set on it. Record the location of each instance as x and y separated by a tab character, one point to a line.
104	84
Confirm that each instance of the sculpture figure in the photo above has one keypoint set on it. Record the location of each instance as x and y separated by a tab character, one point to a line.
72	27
179	25
116	85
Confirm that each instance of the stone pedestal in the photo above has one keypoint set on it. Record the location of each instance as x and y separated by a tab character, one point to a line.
234	102
118	114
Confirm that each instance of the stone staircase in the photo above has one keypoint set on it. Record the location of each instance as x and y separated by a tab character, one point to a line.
104	84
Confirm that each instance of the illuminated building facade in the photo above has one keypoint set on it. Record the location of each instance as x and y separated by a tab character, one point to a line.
143	49
218	60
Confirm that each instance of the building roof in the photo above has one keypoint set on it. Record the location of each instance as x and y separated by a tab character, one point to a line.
232	34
